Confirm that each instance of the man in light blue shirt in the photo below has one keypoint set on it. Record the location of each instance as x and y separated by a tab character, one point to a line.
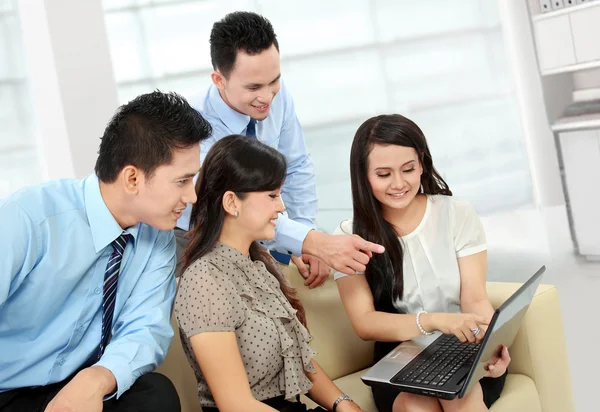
87	269
248	97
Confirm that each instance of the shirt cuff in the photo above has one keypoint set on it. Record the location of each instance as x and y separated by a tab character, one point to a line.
289	236
120	370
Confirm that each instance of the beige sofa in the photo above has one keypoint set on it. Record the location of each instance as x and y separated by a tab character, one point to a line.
539	374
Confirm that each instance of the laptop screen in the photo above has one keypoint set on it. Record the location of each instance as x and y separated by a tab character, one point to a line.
503	328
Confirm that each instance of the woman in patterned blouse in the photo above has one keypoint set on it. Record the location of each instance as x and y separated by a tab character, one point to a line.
242	327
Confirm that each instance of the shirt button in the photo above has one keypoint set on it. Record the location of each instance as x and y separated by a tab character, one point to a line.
80	329
97	291
62	362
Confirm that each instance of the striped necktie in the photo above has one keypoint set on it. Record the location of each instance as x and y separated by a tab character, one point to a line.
251	128
111	279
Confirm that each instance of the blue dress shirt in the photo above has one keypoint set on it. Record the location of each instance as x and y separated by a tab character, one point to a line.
282	131
55	241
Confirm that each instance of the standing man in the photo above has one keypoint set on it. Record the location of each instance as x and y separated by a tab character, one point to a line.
247	97
87	269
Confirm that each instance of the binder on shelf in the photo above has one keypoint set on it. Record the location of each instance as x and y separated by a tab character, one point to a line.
558	4
546	6
569	3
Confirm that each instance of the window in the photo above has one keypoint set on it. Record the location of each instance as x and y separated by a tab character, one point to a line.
439	63
19	161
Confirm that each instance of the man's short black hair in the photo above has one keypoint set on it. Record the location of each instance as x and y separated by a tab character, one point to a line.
239	31
144	132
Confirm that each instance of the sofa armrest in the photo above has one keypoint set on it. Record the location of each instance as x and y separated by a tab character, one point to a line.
539	350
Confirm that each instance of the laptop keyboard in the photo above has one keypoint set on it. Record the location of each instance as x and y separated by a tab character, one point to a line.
438	362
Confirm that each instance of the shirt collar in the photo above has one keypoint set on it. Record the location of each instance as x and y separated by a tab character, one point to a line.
233	255
102	223
233	120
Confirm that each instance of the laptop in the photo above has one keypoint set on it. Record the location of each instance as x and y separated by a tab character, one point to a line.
441	365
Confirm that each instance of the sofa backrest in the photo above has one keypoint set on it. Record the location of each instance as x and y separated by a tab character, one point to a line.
340	351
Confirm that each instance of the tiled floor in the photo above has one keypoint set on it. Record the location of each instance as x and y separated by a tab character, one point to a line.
519	242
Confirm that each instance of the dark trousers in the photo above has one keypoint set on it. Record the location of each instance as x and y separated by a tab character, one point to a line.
280	404
150	393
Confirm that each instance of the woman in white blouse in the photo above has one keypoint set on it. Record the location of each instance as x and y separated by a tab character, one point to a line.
433	274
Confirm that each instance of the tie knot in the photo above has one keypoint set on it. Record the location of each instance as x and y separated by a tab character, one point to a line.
120	242
251	128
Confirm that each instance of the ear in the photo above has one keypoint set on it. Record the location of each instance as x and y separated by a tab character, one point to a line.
231	203
421	159
218	79
132	179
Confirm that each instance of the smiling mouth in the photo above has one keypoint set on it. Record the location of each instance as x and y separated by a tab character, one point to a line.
263	107
398	195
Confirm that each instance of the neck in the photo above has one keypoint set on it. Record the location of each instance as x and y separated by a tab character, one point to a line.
116	203
407	219
232	236
224	97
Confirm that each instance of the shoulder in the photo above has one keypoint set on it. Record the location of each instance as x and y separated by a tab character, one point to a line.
48	199
453	206
283	101
201	100
344	228
204	268
160	240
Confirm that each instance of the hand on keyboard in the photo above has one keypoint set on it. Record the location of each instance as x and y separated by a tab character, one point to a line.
461	325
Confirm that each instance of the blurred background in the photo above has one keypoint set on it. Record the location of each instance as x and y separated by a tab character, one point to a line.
478	76
442	64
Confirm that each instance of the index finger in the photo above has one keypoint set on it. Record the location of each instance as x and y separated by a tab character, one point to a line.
367	246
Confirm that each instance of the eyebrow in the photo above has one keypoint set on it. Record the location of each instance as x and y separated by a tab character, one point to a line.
187	176
260	85
410	161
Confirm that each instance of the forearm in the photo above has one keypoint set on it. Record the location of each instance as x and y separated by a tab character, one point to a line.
392	327
323	391
481	307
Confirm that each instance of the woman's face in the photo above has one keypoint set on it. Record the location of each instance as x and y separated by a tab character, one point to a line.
258	212
394	173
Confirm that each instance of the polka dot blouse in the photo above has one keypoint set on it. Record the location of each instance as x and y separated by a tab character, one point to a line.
225	291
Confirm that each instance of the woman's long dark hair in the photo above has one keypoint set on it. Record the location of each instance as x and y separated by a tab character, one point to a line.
384	272
242	165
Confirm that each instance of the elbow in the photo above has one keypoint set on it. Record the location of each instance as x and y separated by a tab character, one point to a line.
364	333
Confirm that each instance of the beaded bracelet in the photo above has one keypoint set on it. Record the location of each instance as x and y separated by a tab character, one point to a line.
423	331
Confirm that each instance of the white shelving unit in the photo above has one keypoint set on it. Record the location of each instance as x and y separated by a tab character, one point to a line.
567	42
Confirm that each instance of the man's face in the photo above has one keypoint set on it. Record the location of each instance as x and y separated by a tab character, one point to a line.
252	84
163	196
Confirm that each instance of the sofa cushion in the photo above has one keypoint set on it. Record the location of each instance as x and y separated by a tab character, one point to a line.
519	395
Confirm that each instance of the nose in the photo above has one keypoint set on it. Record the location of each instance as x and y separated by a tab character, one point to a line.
266	95
189	196
397	181
280	206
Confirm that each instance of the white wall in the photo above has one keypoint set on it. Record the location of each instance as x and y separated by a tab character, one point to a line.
71	81
539	139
